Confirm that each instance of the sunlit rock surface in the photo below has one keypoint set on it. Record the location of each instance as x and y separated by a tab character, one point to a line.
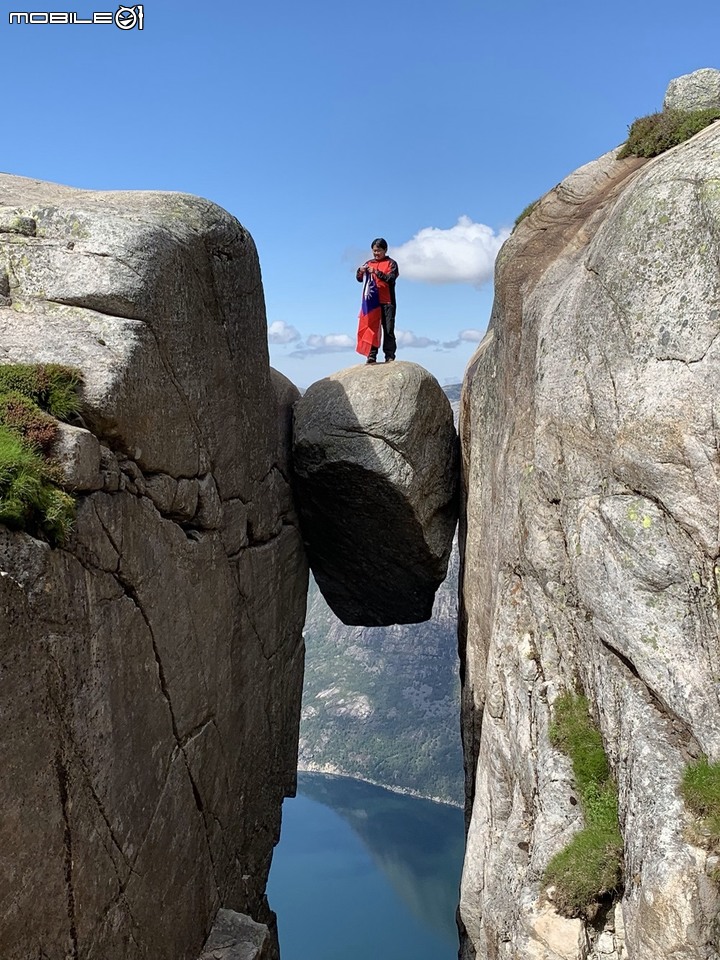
590	437
151	668
375	461
699	90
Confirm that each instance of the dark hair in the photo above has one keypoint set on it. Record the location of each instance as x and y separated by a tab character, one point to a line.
379	242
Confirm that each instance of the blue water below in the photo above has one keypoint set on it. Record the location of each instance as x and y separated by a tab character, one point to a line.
362	873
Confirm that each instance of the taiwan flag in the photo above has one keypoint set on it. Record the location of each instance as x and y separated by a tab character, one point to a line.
370	317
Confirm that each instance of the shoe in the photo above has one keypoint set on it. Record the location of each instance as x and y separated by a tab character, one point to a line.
389	359
370	360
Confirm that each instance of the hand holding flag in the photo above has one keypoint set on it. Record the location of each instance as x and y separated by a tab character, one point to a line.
370	316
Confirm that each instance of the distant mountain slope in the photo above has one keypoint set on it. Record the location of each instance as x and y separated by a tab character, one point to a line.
382	703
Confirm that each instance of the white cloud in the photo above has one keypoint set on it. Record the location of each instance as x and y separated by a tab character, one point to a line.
406	338
464	253
281	332
465	336
317	343
471	336
330	343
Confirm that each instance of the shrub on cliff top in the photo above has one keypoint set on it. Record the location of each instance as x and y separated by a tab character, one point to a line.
52	386
21	414
589	869
652	135
701	791
31	397
29	498
526	211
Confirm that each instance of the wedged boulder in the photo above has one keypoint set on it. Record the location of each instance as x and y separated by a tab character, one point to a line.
375	461
77	454
151	666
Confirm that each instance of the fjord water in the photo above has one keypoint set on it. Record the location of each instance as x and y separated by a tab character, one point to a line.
362	872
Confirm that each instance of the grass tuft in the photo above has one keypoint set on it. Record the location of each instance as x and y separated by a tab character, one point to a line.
701	791
52	386
589	869
23	415
32	398
652	135
526	212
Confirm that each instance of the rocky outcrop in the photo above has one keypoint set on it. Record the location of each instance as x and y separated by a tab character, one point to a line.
237	937
592	484
375	462
699	90
152	665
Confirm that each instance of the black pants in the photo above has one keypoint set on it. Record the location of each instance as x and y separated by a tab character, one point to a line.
388	324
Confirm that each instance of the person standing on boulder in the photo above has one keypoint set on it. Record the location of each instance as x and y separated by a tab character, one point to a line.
378	303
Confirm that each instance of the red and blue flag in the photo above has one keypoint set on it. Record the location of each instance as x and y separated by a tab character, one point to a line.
370	316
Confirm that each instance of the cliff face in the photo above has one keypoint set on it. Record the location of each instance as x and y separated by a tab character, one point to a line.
590	438
152	665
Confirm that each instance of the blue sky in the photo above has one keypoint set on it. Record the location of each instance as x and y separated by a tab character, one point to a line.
323	125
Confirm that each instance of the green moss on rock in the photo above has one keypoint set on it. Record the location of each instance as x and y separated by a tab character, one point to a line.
24	416
52	386
32	398
526	212
589	869
701	791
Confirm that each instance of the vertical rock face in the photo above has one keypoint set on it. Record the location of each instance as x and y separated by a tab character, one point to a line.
590	443
151	667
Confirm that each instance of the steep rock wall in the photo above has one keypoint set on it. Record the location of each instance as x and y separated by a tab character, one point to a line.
151	667
589	426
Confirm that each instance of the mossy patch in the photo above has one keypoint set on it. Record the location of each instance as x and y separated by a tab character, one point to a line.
700	789
526	212
589	869
25	417
32	398
652	135
52	386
